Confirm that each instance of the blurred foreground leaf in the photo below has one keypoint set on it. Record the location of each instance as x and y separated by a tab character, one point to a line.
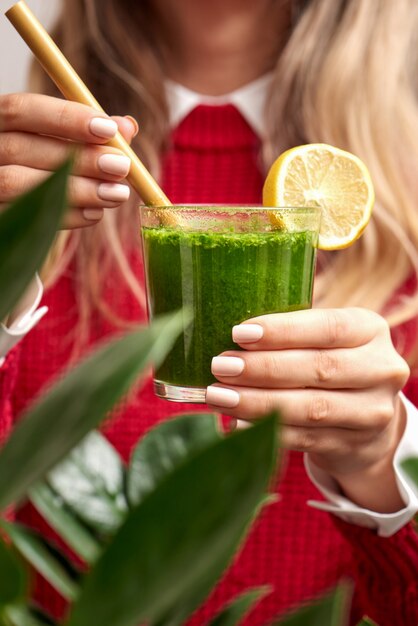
27	230
63	521
234	613
332	610
173	546
90	481
43	558
13	580
410	466
78	403
166	447
19	615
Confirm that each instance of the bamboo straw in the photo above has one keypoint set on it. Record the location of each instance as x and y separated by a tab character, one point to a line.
73	88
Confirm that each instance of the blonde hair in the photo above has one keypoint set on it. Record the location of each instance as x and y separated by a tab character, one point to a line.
346	76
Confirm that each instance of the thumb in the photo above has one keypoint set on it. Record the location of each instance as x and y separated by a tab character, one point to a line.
128	126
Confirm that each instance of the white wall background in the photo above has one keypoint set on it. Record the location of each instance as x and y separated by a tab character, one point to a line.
14	54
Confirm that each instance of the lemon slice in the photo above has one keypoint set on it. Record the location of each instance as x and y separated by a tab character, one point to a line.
317	174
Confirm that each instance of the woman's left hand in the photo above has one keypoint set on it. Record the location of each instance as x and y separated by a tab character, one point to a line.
335	377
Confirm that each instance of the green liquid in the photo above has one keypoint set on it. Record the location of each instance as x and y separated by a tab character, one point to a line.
224	278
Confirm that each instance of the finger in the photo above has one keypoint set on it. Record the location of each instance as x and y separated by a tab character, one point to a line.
127	125
313	328
76	218
253	404
82	218
52	116
305	407
47	153
313	408
233	424
82	192
305	438
352	368
325	441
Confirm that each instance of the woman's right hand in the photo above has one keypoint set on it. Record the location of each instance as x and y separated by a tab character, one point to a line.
37	133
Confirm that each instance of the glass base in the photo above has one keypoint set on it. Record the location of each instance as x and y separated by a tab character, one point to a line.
175	393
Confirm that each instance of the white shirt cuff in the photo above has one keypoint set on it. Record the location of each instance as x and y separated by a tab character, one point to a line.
25	317
386	524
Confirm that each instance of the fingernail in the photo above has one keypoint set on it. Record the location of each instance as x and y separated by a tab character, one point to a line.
247	333
93	214
116	164
219	396
102	127
134	124
242	425
227	366
113	192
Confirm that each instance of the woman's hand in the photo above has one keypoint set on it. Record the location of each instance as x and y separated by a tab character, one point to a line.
335	377
37	133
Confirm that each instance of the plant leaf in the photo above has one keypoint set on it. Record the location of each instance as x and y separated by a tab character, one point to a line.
76	535
410	466
331	610
165	447
43	558
78	403
13	579
27	230
91	482
20	615
173	547
234	613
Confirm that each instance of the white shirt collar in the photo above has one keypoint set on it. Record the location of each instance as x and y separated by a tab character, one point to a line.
250	101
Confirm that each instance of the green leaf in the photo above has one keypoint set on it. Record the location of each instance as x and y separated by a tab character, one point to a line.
78	403
91	482
165	447
331	610
234	613
410	466
43	558
13	579
366	621
173	547
19	615
27	230
76	535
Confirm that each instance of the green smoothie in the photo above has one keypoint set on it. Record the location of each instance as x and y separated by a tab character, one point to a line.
224	278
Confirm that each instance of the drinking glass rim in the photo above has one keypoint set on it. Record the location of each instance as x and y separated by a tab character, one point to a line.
218	207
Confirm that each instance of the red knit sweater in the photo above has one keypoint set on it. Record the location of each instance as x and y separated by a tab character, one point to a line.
299	551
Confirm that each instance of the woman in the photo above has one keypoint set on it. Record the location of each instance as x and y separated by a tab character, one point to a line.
339	72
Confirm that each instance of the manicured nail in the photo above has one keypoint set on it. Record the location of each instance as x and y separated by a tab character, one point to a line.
218	396
247	333
134	124
227	366
93	214
116	164
102	127
113	192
